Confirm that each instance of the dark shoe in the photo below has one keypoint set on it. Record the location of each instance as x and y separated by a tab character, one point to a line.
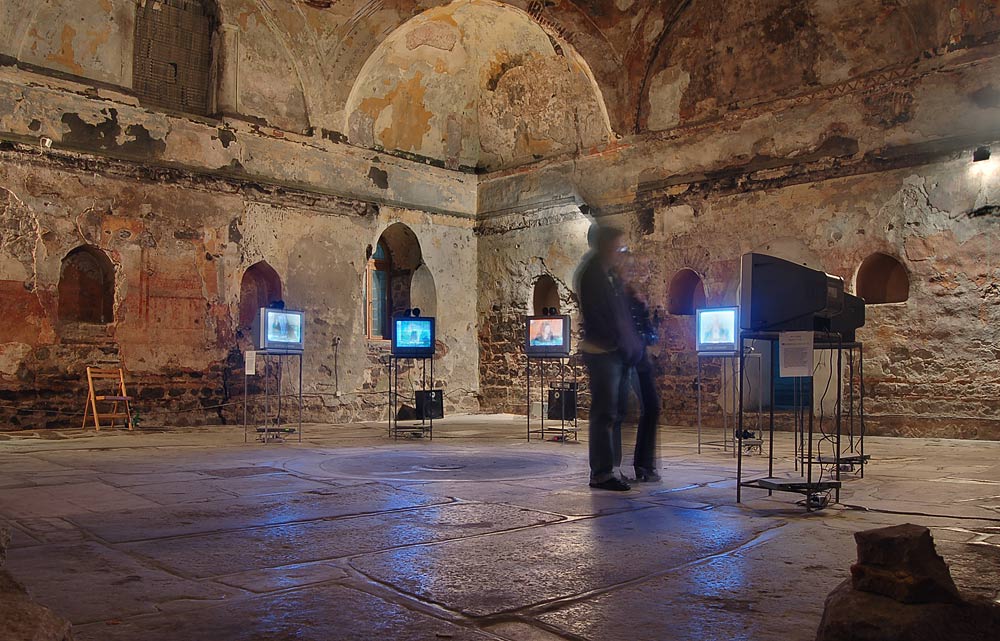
647	476
614	484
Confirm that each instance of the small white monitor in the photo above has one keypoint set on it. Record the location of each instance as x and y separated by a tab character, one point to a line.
279	330
716	329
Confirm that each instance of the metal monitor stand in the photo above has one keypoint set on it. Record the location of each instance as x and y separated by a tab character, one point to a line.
271	430
563	431
425	427
729	409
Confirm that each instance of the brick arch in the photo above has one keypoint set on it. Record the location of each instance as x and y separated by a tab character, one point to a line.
881	279
686	294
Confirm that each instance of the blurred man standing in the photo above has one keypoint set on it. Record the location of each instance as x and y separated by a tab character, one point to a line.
611	345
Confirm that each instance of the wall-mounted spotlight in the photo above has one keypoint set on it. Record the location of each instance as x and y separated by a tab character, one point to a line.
981	153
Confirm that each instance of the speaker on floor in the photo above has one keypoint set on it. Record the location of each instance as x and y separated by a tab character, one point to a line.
562	404
430	404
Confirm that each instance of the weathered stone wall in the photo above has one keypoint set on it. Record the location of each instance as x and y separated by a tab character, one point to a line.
930	363
790	129
815	130
180	247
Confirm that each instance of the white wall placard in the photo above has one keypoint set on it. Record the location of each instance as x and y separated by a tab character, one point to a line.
250	363
795	354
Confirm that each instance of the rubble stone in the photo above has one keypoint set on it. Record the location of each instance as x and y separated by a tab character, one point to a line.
900	562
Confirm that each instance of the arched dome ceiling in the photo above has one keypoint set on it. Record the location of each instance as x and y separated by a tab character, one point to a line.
475	84
298	60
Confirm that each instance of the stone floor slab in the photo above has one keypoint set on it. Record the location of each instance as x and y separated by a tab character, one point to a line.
324	613
280	545
507	572
68	499
283	578
239	513
661	562
774	590
91	582
578	501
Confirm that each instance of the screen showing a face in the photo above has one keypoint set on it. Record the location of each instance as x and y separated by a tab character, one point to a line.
283	327
717	327
413	333
544	332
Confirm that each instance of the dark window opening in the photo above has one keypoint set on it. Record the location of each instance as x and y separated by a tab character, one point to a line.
87	287
378	295
389	280
172	61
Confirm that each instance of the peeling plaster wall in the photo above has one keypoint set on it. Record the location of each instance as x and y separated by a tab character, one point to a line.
735	54
822	137
33	106
477	85
180	250
931	362
705	128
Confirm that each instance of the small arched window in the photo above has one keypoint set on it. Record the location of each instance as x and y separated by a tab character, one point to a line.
172	59
687	293
259	287
87	287
378	292
882	279
545	295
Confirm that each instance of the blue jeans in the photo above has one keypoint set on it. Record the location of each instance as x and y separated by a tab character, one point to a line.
607	371
642	379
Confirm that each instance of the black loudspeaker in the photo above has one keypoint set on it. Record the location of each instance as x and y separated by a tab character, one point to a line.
562	404
430	404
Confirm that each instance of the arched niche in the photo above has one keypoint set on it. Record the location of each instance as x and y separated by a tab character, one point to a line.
545	294
87	287
423	291
259	287
392	263
686	294
882	279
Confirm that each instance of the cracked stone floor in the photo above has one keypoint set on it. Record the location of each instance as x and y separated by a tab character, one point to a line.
192	534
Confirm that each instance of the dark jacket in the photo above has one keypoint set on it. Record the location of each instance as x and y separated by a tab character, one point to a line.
607	320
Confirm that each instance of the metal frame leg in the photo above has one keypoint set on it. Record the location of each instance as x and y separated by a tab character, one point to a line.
698	385
739	433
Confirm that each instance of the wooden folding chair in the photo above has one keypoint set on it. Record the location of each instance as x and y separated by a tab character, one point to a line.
118	396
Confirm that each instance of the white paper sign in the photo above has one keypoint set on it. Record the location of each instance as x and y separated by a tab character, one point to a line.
250	363
795	354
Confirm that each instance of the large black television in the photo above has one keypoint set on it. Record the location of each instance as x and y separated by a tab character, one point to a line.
846	322
547	336
413	337
777	295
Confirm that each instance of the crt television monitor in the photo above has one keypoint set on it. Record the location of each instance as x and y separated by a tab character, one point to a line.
716	329
779	295
547	336
280	330
413	337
